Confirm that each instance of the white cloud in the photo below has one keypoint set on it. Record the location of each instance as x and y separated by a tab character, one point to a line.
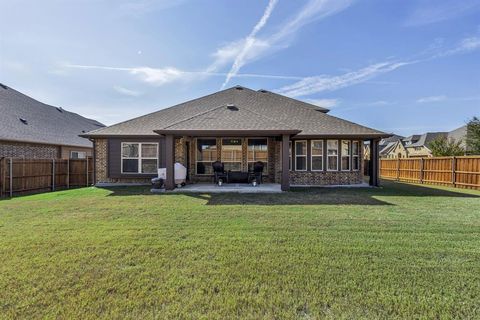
314	10
127	92
249	43
465	45
438	11
432	99
324	103
161	76
311	85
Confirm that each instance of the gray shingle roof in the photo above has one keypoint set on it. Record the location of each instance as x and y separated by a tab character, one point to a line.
44	123
257	110
426	138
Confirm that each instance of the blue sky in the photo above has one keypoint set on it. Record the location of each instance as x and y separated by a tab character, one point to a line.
401	66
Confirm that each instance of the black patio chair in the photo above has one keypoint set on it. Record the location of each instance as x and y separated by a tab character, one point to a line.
219	172
258	171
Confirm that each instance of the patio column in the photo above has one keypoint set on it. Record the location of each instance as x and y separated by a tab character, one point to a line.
285	167
374	167
169	161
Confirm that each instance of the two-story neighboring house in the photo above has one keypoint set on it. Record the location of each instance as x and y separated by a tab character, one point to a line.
417	146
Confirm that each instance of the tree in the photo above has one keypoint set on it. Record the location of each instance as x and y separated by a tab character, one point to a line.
444	147
473	136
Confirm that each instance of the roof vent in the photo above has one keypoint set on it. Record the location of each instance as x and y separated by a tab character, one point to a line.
262	91
239	88
59	109
3	86
24	121
231	107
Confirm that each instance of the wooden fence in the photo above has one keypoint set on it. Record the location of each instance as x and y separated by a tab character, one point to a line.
21	176
460	172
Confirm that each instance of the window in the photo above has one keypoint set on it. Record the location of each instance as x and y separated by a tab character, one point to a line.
257	151
232	154
206	155
332	155
346	155
78	155
139	157
356	155
317	155
301	155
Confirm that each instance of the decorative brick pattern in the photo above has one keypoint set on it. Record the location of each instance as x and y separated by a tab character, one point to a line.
101	160
10	149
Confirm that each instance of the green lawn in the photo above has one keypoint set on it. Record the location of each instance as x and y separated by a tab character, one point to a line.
401	251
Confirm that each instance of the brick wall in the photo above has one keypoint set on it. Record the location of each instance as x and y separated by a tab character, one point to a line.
10	149
274	166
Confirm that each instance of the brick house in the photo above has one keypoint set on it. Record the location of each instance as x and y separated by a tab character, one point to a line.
33	130
299	143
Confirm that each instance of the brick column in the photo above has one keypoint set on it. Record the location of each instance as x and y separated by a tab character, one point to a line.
285	169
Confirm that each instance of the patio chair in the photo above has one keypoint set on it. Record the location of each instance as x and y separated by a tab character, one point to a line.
258	171
219	172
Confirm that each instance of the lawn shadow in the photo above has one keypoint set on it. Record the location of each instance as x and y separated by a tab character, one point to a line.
311	196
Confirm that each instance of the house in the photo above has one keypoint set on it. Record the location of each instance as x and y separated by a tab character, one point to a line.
299	143
417	146
386	147
31	129
460	134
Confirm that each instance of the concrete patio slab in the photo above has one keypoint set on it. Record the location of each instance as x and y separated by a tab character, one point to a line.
229	188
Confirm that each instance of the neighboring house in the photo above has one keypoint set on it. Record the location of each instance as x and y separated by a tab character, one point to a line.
459	134
417	146
385	146
31	129
299	143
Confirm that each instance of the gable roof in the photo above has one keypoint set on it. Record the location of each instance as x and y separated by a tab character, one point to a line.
257	110
425	139
42	123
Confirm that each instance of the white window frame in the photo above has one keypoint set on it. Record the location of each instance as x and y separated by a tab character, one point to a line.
78	154
336	156
316	156
343	156
304	156
241	152
356	156
204	161
266	161
140	157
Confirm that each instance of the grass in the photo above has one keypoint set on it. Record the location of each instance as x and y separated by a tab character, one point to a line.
401	251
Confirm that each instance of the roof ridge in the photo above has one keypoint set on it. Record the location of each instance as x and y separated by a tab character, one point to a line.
194	116
153	112
310	107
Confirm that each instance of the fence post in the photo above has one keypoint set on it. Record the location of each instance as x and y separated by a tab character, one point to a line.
11	177
398	169
454	166
68	173
53	174
87	169
421	170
